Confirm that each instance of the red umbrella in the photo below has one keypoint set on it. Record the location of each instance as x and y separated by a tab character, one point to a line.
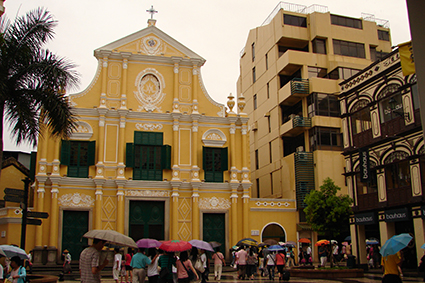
175	246
304	240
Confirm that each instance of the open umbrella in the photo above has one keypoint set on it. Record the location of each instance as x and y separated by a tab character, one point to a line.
395	243
11	251
348	238
148	243
345	243
235	247
201	245
247	242
2	253
111	236
215	244
290	244
372	242
304	241
275	248
175	246
322	242
270	242
334	242
423	246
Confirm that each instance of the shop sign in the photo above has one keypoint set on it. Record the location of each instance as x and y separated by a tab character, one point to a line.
423	211
395	215
364	165
365	218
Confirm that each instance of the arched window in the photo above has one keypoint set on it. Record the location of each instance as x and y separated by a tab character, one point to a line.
274	231
397	170
360	120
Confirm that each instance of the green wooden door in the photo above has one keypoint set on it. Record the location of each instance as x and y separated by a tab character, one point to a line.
214	229
75	225
146	220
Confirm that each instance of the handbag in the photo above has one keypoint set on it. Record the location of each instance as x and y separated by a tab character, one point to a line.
189	271
163	274
199	266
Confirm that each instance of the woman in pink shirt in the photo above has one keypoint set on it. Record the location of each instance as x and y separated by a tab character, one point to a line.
218	258
183	266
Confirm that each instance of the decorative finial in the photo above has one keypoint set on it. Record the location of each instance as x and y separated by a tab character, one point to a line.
241	103
230	102
152	11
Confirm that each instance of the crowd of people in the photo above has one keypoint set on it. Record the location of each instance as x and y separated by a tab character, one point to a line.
151	264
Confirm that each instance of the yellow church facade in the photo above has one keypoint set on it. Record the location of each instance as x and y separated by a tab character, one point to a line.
153	156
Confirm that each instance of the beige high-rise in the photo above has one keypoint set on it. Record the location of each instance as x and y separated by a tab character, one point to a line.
290	69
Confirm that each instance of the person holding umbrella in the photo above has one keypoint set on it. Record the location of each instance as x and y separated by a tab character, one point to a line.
391	259
89	262
18	273
166	261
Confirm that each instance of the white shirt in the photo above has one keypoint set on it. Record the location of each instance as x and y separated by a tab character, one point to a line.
308	250
204	260
117	261
153	267
335	250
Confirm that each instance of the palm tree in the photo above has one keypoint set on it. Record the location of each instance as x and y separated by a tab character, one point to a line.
33	80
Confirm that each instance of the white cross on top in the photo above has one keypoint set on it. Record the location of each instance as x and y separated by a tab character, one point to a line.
152	11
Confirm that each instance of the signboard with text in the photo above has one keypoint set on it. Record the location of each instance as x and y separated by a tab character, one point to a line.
364	165
394	215
365	218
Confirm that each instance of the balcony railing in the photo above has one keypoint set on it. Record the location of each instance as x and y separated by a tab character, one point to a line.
299	86
304	176
298	121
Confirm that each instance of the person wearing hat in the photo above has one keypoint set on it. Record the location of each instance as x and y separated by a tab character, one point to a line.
67	262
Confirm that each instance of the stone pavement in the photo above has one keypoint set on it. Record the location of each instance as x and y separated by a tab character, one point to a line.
232	277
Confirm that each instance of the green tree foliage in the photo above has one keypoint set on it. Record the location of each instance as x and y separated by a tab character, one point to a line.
33	80
327	212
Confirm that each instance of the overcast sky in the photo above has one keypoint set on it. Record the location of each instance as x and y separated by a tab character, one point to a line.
216	30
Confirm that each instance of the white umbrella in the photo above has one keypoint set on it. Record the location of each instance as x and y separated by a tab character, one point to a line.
111	236
11	251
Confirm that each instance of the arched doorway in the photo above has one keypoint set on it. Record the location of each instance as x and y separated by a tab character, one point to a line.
273	231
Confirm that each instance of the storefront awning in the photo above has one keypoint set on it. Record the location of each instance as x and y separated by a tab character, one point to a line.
303	227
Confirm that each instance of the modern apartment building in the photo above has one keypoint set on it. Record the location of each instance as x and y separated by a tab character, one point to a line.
384	156
290	70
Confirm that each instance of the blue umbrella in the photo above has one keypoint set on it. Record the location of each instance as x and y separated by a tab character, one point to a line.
275	248
423	246
348	238
372	242
395	244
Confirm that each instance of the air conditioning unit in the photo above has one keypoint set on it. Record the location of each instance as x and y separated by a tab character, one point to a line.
299	149
254	126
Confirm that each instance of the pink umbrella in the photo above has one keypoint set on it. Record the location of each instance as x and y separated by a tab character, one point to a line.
175	246
148	243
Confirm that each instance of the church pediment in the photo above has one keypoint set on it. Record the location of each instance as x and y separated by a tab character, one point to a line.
150	41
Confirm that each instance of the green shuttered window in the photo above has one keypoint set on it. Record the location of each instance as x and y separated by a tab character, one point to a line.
78	156
148	156
215	162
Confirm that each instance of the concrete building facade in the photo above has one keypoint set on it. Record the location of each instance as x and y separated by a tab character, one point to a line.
290	69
